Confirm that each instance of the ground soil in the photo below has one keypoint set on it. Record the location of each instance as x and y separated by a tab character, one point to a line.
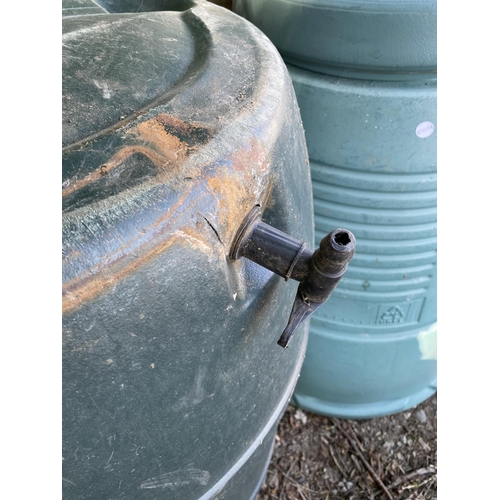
322	458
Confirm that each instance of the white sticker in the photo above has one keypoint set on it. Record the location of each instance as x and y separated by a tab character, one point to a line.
424	129
427	342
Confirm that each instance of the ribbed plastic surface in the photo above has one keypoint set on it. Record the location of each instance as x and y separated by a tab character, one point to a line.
372	151
372	39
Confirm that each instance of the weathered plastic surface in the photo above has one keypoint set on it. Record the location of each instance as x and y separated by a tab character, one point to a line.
175	124
372	149
375	39
372	346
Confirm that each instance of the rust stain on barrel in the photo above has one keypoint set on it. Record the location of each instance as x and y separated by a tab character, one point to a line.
232	191
156	140
241	189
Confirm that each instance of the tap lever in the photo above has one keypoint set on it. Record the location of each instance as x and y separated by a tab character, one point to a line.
318	272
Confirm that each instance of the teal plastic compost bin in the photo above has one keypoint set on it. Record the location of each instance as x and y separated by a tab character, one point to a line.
365	78
179	120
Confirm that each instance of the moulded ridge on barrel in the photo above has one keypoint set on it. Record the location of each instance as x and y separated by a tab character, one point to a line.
176	123
377	39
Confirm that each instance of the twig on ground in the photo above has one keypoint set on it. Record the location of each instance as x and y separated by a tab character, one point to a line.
356	463
295	483
339	467
410	476
375	476
292	466
300	493
433	480
413	486
355	436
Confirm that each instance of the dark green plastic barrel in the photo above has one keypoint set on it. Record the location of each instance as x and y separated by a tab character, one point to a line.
365	78
178	118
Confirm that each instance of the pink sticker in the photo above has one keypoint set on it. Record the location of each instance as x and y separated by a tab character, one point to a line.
424	129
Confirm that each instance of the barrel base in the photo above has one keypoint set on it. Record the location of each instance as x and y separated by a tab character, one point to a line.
366	410
246	482
263	473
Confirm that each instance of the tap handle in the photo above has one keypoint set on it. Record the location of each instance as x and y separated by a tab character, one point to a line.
318	272
327	265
